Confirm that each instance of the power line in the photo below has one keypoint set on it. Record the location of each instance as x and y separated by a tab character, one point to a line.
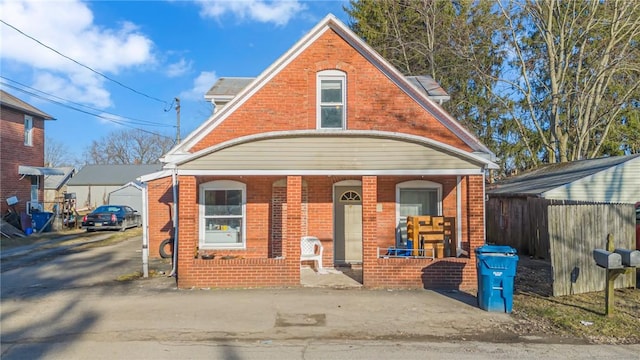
132	120
84	111
87	67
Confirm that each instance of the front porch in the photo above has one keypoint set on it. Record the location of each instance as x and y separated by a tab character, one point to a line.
277	211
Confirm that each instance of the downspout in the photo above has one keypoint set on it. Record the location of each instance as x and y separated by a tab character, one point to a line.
484	203
459	250
174	180
145	233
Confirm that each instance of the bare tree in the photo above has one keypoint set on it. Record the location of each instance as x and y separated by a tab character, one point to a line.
576	73
128	147
56	153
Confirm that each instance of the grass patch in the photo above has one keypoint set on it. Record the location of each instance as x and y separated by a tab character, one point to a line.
71	237
135	276
580	316
116	237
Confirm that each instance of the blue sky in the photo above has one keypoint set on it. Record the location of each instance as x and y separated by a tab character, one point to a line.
160	49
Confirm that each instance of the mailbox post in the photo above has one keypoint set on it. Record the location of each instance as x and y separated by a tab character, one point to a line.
615	262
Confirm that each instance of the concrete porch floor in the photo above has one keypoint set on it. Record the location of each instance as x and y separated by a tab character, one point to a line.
338	277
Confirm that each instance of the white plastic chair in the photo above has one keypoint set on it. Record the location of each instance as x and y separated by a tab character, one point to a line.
308	246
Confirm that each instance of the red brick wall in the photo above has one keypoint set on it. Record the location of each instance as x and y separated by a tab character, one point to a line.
253	266
288	101
160	213
458	273
13	153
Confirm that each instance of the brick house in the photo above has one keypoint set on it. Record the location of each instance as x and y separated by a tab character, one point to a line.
330	141
22	154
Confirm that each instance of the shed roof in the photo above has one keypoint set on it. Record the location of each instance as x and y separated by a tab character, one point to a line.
55	182
111	174
227	87
13	102
541	180
428	86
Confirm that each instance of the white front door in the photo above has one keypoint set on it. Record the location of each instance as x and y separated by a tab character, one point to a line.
348	224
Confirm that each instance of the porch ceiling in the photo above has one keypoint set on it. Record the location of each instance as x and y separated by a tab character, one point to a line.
337	152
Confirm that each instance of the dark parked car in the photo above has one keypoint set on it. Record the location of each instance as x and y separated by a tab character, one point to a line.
112	217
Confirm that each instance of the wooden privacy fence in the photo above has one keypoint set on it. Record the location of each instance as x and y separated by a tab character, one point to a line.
520	223
564	233
574	232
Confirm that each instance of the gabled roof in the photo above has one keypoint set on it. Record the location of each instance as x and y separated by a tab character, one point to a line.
111	174
549	177
55	182
135	184
330	22
8	100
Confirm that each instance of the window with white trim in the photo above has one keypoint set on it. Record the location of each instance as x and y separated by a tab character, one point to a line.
331	99
222	215
416	198
28	130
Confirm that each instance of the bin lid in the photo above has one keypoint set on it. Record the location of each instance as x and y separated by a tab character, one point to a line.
496	249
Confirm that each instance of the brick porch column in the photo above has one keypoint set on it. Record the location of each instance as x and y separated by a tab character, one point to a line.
187	228
291	240
369	226
476	211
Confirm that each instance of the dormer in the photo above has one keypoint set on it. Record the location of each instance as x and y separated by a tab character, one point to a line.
428	86
225	89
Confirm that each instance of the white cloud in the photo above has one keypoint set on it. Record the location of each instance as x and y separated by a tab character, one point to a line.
68	27
179	68
201	85
82	87
277	12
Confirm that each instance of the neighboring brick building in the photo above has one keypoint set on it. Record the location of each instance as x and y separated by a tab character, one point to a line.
22	154
330	141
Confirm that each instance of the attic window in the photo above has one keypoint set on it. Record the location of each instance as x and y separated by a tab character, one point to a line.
331	99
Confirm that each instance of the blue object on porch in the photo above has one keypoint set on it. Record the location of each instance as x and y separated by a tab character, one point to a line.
496	266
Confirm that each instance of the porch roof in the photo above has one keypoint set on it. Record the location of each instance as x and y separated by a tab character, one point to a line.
314	152
38	170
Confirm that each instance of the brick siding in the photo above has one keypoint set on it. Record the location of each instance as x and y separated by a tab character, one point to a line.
13	152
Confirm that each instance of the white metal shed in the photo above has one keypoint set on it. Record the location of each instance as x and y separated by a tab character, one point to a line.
128	194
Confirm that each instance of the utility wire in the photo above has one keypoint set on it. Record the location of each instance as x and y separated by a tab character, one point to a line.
87	67
132	120
115	121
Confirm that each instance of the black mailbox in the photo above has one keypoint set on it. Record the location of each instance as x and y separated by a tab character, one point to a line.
629	257
607	260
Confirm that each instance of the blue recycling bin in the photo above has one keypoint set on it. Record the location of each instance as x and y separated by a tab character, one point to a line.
496	266
40	219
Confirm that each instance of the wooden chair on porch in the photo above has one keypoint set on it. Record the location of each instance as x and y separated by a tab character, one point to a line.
311	250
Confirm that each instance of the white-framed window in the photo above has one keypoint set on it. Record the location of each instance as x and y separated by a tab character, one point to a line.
331	99
222	215
418	197
28	130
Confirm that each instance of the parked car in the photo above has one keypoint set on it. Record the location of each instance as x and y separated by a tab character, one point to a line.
112	217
